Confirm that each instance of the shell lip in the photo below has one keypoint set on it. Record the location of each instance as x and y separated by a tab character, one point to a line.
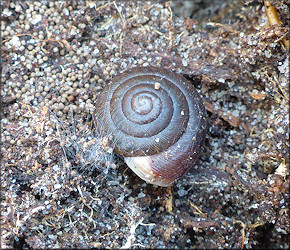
141	166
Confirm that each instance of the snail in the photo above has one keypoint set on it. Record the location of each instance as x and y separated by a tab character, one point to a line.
157	120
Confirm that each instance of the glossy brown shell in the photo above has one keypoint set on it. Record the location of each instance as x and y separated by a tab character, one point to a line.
154	112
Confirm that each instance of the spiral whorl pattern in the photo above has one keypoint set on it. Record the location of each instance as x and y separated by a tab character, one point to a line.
148	110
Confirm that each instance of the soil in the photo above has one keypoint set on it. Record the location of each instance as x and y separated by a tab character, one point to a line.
62	186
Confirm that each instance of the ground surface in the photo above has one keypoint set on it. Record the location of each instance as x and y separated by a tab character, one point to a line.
60	184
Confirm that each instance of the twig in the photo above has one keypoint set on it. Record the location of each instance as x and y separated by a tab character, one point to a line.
274	20
243	231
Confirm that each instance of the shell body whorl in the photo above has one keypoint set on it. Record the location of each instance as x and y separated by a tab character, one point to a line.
158	122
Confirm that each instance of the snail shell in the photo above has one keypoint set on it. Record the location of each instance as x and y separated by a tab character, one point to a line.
157	120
